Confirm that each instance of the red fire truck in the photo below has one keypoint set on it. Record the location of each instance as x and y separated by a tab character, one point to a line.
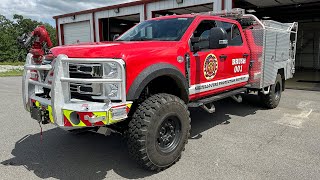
142	84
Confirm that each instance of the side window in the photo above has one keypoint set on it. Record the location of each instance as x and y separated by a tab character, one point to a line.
234	35
203	31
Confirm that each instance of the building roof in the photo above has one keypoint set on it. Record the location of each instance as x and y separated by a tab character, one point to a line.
127	4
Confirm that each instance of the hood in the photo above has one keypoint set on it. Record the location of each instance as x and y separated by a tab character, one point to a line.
112	49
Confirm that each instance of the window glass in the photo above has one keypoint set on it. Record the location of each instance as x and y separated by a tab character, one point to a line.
234	35
203	31
158	30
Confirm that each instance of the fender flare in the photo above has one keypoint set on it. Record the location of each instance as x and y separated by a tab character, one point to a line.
154	71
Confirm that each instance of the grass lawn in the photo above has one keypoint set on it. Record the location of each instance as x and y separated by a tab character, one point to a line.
11	73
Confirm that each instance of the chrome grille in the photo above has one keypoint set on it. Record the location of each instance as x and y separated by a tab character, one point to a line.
94	79
85	70
86	89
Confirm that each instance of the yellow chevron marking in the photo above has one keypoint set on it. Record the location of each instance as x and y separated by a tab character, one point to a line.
50	114
108	120
111	121
99	114
129	105
67	113
38	104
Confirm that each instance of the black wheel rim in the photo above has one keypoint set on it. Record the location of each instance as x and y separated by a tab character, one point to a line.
277	92
169	134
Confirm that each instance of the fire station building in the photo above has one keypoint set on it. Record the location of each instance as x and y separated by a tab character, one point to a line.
102	24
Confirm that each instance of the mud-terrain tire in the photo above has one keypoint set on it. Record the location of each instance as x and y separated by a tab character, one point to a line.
158	131
272	99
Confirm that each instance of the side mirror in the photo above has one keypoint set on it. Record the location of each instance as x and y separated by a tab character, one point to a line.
218	38
199	43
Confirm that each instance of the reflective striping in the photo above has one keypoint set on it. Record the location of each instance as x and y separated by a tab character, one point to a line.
66	122
37	104
50	114
99	114
81	118
129	106
111	121
211	85
67	114
78	119
85	123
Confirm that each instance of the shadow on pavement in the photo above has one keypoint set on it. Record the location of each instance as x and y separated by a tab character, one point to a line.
202	121
63	155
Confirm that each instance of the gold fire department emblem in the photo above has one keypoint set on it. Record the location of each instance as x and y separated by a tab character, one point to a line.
210	66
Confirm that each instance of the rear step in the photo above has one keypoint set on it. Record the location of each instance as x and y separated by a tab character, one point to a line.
211	99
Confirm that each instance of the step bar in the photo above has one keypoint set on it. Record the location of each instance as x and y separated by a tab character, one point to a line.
214	98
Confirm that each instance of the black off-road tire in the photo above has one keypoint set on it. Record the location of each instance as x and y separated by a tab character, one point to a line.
272	99
145	131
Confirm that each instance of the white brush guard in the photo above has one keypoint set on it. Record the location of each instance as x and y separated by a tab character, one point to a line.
60	90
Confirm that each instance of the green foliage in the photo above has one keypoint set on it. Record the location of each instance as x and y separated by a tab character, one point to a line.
10	50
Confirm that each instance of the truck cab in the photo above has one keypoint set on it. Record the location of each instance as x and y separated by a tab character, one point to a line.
142	84
221	65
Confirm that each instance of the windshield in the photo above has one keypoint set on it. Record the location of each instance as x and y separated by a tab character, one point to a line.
158	30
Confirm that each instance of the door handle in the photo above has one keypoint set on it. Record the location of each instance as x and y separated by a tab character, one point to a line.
224	57
245	55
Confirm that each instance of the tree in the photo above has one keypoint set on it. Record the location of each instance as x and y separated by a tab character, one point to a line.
10	50
8	47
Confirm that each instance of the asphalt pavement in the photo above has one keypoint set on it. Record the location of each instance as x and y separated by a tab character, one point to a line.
239	141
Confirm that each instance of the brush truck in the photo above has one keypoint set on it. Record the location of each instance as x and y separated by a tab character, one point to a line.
142	84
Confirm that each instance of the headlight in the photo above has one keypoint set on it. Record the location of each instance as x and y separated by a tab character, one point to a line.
111	70
113	91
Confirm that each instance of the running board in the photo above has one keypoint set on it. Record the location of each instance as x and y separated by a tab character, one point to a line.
211	99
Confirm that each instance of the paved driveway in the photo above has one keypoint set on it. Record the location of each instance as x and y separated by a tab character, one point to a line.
239	141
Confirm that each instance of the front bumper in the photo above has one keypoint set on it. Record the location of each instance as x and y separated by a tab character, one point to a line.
61	109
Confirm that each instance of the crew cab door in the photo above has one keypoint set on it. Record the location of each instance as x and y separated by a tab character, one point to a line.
216	70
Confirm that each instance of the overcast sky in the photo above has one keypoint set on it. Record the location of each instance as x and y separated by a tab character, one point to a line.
43	10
